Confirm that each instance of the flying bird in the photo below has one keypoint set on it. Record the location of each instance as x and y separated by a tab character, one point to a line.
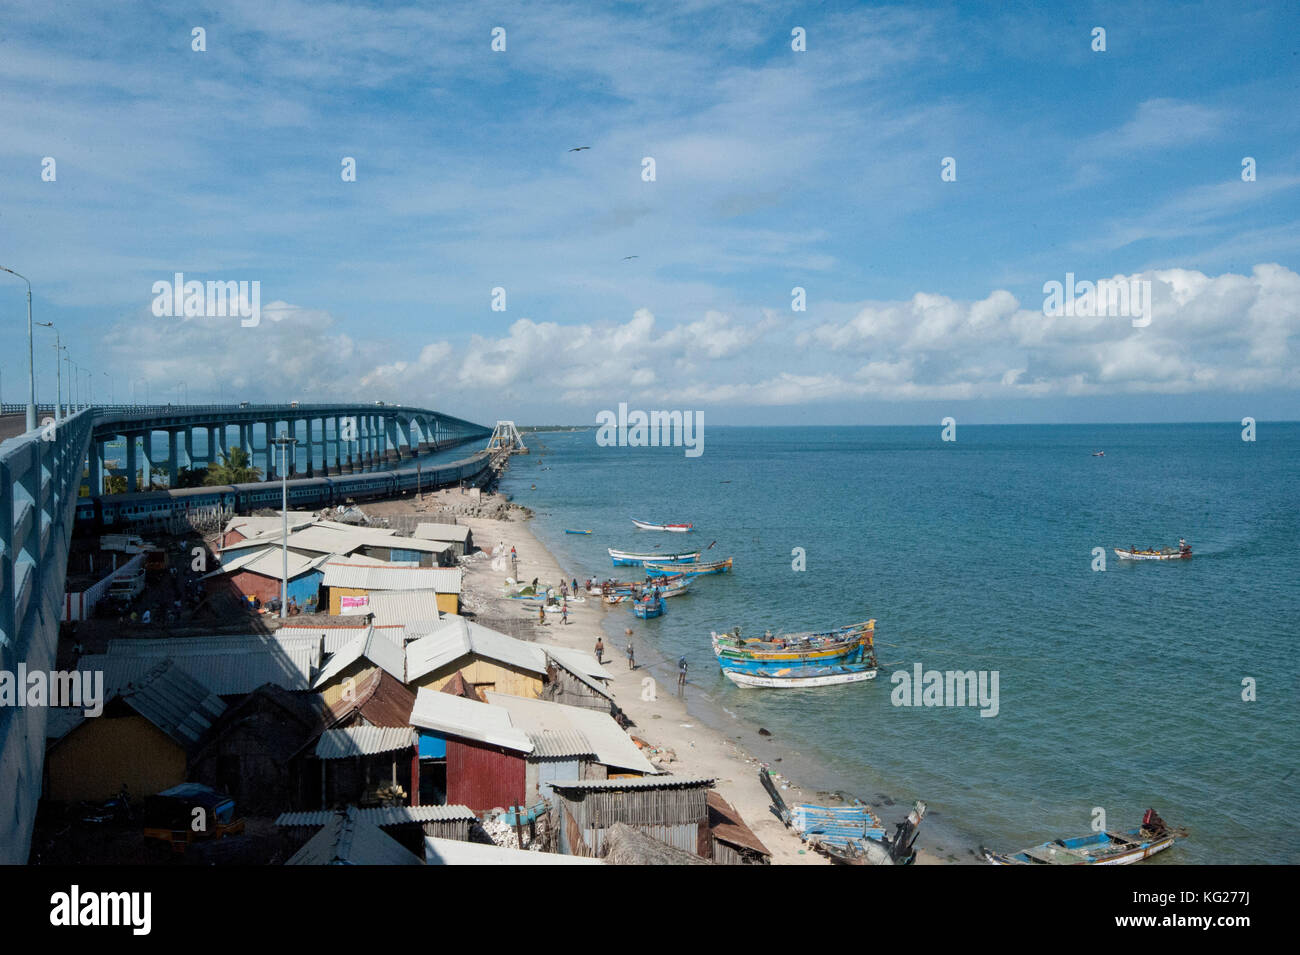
626	257
578	149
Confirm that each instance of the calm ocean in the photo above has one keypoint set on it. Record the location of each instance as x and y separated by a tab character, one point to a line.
1119	689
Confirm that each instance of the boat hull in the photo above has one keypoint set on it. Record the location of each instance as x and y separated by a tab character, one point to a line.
1147	555
796	677
691	570
626	559
648	611
674	528
1081	851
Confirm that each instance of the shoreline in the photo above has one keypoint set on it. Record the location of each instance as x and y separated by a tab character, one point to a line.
689	744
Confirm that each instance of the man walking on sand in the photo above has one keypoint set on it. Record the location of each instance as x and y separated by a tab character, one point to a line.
631	656
600	650
564	613
681	671
541	616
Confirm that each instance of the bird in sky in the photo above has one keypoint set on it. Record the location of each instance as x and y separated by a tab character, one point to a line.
626	257
578	149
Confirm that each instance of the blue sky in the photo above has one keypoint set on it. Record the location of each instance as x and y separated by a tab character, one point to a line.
774	169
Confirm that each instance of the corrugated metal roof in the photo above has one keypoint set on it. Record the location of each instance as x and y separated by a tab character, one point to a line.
175	702
457	636
225	665
363	741
335	638
455	852
560	743
363	576
382	816
269	562
251	526
611	745
571	663
399	606
646	782
443	532
377	646
348	839
449	715
579	662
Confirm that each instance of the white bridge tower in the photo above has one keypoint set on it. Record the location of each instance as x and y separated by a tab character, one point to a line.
506	437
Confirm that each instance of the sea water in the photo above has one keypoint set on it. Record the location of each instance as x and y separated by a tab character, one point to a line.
1170	684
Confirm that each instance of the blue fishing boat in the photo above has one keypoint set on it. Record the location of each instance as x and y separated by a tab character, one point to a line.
624	558
1122	847
650	607
843	645
772	677
657	566
567	531
849	835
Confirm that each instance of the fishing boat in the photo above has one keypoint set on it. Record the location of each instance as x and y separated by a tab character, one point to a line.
690	570
648	526
567	531
623	558
648	608
1098	848
1099	454
1183	552
792	677
842	645
848	835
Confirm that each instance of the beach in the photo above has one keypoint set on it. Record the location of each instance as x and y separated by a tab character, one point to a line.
677	740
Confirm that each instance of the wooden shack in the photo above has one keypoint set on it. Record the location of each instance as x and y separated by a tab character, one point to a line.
670	809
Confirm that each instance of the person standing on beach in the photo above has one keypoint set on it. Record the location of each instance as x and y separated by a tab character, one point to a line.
541	616
631	656
600	650
564	613
681	671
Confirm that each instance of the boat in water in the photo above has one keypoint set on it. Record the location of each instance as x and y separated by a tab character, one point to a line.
793	677
848	835
624	558
841	645
690	570
648	608
1183	552
676	528
1099	848
1099	454
567	531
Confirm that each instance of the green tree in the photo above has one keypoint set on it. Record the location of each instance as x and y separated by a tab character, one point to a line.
233	468
191	477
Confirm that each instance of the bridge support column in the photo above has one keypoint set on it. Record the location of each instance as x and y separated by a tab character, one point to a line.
246	440
270	449
173	470
96	462
131	484
311	447
333	465
292	453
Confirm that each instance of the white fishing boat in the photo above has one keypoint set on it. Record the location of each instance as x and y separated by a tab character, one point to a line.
650	526
789	677
1183	552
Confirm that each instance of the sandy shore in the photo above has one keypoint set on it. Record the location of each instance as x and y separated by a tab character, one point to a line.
663	721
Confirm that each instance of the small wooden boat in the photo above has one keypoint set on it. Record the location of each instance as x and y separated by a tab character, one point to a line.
794	677
1183	552
647	609
1099	848
848	835
842	645
690	570
567	531
1099	454
648	526
624	558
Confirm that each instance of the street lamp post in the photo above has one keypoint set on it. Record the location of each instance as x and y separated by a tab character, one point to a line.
31	363
285	442
58	378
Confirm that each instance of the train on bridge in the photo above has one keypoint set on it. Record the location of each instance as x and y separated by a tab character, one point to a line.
124	510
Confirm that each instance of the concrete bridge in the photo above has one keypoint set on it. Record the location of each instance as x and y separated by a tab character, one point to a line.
41	474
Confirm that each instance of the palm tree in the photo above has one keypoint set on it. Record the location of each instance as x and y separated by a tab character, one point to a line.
233	468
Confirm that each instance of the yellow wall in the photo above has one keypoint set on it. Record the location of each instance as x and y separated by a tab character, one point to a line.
485	674
447	603
95	759
351	677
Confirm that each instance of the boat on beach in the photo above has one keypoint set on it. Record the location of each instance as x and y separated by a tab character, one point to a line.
1183	552
842	645
649	608
790	677
649	526
1098	848
624	558
690	570
848	835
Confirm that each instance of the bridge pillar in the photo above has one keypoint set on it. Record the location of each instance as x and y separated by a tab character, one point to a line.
270	449
146	446
392	447
213	445
96	479
370	442
332	463
187	445
292	453
311	448
173	471
246	440
131	484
